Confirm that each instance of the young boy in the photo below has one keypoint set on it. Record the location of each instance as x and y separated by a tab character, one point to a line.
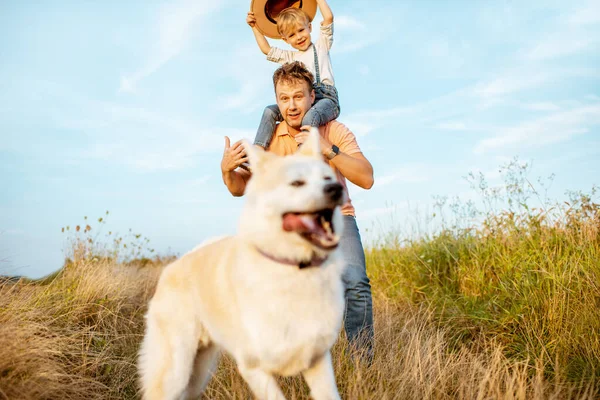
294	27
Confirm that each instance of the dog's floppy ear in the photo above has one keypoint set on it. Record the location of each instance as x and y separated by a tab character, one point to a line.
256	155
312	144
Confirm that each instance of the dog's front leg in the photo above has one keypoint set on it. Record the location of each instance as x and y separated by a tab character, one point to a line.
263	385
321	379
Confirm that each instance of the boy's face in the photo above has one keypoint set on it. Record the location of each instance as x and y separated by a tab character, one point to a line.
298	36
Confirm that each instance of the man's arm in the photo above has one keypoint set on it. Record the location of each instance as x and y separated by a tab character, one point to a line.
235	179
355	167
261	40
325	12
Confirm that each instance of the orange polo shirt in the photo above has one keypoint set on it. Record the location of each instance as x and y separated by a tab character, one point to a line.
283	144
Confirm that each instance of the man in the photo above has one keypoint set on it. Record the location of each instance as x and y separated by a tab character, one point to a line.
295	95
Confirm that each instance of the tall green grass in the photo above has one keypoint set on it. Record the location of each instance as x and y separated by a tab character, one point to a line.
526	277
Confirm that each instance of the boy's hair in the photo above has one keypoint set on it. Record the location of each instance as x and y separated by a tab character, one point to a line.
290	17
291	73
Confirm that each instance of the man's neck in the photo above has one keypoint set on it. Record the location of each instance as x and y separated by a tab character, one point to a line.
292	131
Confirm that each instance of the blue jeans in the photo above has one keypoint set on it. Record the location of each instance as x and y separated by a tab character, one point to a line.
326	108
358	315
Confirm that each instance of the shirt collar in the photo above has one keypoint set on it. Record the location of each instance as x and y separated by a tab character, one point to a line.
283	129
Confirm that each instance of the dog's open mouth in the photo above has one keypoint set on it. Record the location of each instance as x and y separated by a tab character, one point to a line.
315	227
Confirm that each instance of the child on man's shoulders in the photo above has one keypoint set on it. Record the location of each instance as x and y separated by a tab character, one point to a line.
294	26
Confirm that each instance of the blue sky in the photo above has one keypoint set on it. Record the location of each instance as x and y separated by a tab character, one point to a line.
122	106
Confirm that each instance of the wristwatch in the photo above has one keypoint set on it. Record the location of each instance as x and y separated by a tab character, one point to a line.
334	152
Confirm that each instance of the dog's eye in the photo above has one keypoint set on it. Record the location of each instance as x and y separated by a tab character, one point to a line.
298	183
327	178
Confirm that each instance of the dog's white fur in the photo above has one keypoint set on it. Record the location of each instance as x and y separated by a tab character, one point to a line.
273	318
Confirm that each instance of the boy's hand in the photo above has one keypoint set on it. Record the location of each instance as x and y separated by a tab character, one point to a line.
303	135
251	19
262	42
325	12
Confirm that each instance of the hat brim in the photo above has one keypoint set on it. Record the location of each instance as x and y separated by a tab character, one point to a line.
267	25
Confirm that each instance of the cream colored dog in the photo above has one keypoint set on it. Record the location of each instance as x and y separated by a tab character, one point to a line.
271	296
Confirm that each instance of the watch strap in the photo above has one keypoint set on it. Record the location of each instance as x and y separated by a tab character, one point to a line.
334	152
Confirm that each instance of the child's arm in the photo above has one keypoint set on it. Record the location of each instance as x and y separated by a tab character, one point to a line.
325	12
326	31
261	40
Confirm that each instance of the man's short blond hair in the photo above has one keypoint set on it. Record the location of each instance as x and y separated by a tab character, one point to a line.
291	73
290	18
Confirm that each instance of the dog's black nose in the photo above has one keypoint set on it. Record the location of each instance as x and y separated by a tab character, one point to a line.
334	191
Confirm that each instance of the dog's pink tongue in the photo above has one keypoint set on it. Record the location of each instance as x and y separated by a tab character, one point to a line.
299	223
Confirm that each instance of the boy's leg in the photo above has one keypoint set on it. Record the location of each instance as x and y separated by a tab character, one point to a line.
358	316
264	134
269	119
323	111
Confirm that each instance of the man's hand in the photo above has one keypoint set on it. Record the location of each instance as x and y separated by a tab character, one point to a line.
251	19
233	156
303	135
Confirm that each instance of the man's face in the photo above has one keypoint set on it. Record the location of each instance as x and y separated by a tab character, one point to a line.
294	100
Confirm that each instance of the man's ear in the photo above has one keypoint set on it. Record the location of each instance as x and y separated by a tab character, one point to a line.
257	156
312	145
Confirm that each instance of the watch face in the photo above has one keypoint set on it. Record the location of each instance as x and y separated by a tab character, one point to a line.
334	152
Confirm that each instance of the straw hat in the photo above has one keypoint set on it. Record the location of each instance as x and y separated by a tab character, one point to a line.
266	12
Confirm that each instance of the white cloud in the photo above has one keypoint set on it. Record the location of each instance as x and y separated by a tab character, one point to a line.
244	99
150	160
16	232
452	126
345	22
526	78
570	35
176	26
476	103
378	211
352	45
360	126
352	34
146	139
586	15
447	57
253	83
363	69
560	46
556	127
510	83
592	97
386	113
186	192
543	106
406	174
155	152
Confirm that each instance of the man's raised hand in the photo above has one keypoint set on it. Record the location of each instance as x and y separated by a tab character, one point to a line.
233	155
